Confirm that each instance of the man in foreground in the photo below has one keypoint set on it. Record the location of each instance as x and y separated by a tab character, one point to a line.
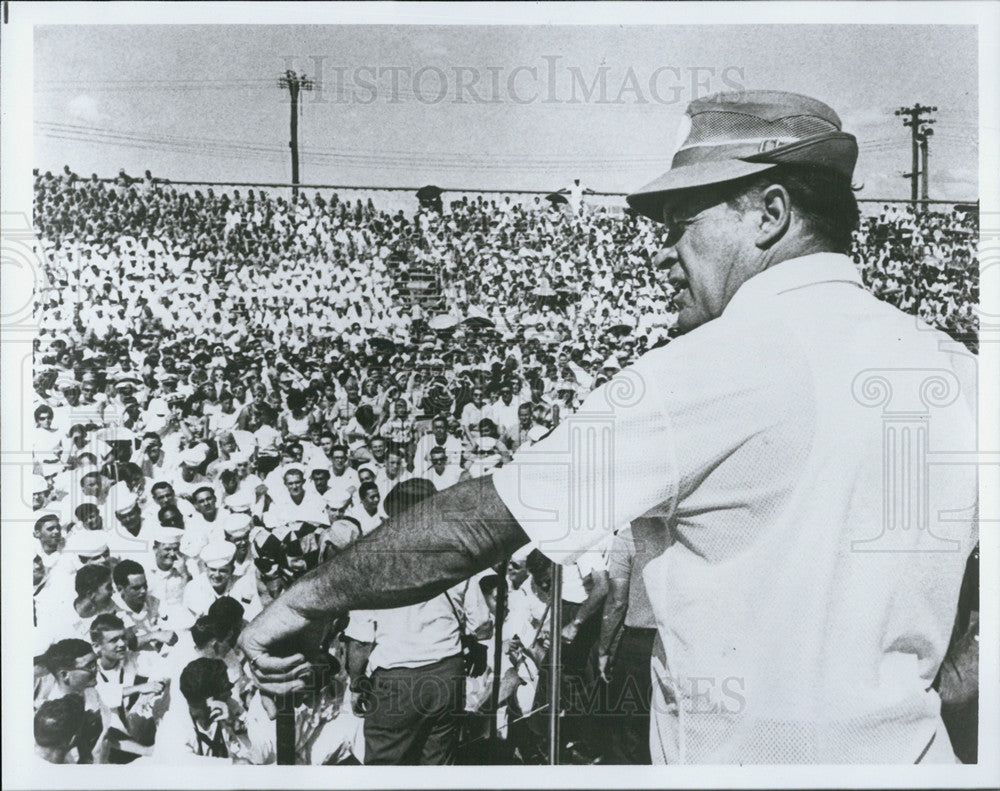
806	593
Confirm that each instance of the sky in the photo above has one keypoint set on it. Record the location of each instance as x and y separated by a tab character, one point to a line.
480	107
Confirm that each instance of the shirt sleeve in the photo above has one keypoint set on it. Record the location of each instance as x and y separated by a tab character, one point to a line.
620	556
611	461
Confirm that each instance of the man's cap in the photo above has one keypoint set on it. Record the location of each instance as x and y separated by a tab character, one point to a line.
337	498
240	501
217	553
40	485
123	498
194	456
167	535
406	494
240	457
87	543
237	525
294	466
727	136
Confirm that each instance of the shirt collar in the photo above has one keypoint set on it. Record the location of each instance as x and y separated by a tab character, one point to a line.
795	273
119	602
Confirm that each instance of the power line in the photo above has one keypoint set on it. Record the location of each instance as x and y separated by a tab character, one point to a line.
404	159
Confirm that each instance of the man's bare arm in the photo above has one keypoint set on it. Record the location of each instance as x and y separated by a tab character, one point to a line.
419	554
612	620
409	559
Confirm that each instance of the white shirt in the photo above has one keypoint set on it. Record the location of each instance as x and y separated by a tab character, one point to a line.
777	445
422	456
447	478
368	522
199	595
417	635
283	510
505	415
346	484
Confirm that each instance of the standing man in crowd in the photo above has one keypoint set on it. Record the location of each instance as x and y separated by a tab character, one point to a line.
756	441
625	644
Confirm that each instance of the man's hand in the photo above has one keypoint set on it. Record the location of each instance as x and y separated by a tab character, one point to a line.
569	631
154	687
602	667
279	645
164	636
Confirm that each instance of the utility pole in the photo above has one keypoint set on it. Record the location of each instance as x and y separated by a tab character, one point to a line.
917	126
925	133
295	83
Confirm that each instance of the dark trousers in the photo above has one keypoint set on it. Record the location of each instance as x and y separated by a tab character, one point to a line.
630	691
415	714
581	694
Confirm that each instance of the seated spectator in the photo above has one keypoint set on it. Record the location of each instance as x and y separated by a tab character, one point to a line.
131	687
59	725
208	725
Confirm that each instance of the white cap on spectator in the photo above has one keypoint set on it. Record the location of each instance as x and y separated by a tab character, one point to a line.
40	485
87	543
337	498
167	535
237	525
612	364
193	456
120	497
217	553
240	502
240	457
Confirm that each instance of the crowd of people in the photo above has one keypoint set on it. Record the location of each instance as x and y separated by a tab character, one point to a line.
232	387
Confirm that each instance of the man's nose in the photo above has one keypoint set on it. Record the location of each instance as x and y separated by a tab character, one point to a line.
666	260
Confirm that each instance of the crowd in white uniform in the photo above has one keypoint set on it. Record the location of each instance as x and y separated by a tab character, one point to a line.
227	387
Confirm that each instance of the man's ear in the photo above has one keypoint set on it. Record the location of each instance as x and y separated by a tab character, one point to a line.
775	208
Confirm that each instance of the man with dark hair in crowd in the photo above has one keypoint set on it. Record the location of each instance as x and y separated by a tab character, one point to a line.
57	728
438	437
71	667
92	585
208	722
131	687
416	670
137	607
368	510
344	478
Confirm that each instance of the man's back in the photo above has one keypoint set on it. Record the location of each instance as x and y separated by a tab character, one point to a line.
802	614
833	544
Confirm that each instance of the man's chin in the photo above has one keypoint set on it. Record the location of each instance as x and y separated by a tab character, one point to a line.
686	321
